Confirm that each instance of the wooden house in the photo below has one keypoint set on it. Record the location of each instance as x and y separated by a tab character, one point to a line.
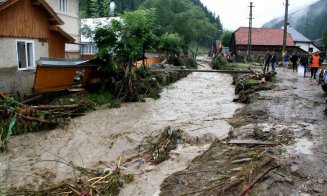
263	39
68	11
29	29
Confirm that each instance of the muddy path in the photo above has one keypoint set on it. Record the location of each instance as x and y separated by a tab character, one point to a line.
199	104
291	115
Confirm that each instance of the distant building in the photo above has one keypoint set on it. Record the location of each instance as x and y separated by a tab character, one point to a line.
263	39
301	41
88	26
68	11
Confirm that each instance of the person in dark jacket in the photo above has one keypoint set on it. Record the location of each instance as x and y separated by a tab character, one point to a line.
273	60
294	59
304	62
267	60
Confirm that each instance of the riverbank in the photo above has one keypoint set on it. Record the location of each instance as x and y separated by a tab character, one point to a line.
276	147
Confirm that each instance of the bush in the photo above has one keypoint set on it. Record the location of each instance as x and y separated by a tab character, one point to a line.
190	63
219	62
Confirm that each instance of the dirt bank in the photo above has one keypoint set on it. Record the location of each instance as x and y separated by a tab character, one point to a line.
290	119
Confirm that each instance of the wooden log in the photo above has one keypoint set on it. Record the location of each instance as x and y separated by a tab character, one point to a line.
251	142
31	99
214	71
46	107
37	119
2	95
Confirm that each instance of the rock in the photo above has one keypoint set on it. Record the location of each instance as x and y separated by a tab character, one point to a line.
321	181
304	194
294	168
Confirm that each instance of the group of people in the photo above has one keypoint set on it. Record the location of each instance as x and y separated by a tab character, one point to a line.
313	62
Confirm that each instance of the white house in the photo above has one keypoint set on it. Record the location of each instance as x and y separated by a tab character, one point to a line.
301	41
88	26
68	11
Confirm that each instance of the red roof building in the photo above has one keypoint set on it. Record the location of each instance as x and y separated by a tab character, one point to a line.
263	39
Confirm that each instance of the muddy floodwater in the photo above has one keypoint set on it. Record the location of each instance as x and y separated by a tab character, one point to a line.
198	104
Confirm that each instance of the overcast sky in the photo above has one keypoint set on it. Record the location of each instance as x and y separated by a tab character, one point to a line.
235	13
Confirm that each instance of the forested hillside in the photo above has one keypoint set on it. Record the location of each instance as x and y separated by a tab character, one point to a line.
310	21
173	16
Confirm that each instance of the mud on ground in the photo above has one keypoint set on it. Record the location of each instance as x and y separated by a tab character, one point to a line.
290	118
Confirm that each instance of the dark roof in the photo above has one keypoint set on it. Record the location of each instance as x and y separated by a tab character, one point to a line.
57	62
262	36
297	36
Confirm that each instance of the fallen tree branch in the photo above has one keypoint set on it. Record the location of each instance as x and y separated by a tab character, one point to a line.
45	107
37	120
257	180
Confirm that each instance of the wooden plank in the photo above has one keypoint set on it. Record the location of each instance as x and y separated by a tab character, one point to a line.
242	160
251	142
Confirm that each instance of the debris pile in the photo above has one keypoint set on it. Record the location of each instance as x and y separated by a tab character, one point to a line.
17	118
87	183
231	168
157	148
248	85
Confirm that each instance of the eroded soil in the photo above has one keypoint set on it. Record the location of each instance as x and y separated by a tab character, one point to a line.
291	115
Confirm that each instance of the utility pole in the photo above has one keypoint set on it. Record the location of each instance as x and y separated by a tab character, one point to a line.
285	27
250	32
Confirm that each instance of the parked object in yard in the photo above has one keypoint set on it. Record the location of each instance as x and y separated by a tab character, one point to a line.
62	74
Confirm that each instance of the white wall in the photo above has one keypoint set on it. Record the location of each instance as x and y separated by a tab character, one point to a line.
8	56
71	21
12	80
306	46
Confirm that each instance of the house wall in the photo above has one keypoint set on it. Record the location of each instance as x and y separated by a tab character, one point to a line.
71	26
23	19
13	81
56	45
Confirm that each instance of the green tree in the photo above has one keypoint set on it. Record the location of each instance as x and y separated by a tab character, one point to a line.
170	43
95	8
226	38
126	41
324	40
181	16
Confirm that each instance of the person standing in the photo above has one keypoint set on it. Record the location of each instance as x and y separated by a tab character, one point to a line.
294	59
315	65
273	60
304	62
267	60
285	60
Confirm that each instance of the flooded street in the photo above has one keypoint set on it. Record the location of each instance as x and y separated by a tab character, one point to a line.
198	104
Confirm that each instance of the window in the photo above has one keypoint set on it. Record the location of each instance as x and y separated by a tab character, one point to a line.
25	54
310	49
63	5
89	49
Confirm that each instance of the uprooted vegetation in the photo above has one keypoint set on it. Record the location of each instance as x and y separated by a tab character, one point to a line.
86	182
228	169
248	85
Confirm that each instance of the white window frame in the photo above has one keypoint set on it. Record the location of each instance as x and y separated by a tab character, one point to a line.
63	6
27	57
89	49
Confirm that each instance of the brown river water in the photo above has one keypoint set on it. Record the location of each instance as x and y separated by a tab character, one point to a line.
199	104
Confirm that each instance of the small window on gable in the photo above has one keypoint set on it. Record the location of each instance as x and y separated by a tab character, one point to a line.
25	54
310	49
63	6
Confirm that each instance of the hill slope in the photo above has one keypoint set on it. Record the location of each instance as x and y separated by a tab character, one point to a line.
310	21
